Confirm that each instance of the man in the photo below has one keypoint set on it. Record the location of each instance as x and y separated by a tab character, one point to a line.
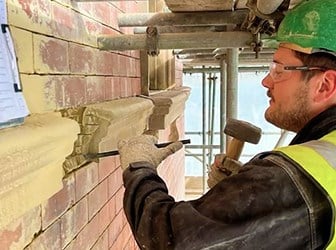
283	199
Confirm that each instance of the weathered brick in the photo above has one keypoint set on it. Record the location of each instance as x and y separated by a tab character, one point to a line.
23	43
102	242
34	15
123	239
97	198
70	91
115	228
59	202
21	231
123	87
112	208
49	239
65	22
87	237
101	12
119	199
86	178
106	167
95	89
115	182
50	55
82	59
104	218
73	221
136	86
105	63
91	29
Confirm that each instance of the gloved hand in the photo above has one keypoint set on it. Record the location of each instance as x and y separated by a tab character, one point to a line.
142	148
223	167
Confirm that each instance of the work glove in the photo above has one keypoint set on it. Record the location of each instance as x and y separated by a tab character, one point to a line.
222	168
142	148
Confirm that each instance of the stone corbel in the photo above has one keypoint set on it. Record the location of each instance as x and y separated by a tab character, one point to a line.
169	105
31	157
104	124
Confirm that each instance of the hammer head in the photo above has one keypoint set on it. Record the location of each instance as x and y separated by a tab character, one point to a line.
242	130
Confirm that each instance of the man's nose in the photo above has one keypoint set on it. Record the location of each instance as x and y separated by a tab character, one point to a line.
267	81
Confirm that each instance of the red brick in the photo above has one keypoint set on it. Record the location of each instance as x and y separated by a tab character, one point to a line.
136	86
122	240
49	239
70	91
116	64
104	218
124	67
73	221
97	198
101	12
93	28
123	87
116	87
54	54
102	242
115	182
58	203
82	59
112	208
87	237
115	228
108	88
86	178
64	21
119	199
95	89
105	63
106	166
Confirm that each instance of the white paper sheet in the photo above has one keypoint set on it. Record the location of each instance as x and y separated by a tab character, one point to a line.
12	103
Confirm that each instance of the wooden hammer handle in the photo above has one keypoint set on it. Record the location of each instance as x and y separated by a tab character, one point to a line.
234	149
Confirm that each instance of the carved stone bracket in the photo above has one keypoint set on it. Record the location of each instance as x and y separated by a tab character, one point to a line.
169	105
31	157
104	124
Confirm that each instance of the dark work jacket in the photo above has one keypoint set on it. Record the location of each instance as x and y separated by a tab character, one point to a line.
271	205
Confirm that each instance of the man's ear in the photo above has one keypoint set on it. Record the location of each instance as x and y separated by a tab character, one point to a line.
326	87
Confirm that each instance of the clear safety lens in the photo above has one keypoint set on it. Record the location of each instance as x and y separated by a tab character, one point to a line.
280	72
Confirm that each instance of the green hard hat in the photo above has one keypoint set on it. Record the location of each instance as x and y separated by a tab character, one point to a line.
310	25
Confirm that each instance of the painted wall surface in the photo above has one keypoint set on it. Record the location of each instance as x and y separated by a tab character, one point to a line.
61	67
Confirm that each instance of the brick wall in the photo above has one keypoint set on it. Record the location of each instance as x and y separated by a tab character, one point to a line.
61	67
59	62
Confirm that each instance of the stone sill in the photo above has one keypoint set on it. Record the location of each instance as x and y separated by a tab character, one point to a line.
169	105
104	124
31	158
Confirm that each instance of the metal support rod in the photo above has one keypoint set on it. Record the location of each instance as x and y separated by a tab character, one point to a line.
218	70
223	91
232	84
204	132
212	122
209	116
236	39
182	19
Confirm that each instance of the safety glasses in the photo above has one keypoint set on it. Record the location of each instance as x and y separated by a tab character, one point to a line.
280	72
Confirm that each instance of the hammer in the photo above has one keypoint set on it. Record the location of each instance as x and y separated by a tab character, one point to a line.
241	132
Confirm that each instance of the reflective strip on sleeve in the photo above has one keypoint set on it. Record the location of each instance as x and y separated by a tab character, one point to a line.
318	158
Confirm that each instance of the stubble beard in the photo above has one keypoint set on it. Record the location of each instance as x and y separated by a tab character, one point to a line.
295	117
